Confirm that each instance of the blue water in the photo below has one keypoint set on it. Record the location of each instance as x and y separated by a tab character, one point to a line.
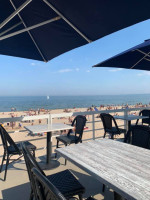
58	102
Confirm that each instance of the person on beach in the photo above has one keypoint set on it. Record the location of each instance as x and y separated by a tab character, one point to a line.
20	125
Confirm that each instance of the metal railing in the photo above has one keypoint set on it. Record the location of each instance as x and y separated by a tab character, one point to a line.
50	117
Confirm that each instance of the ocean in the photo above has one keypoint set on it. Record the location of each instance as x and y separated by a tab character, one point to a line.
60	102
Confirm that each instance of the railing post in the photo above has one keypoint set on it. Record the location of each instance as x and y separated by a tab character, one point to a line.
49	119
93	121
125	121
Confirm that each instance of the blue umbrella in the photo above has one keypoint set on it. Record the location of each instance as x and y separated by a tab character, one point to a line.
137	57
44	29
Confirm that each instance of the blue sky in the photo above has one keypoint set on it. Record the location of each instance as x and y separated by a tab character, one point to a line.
72	74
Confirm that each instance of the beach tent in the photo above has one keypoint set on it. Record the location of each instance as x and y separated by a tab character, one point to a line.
44	29
137	57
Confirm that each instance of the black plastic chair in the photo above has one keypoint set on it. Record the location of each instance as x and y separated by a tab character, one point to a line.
11	148
139	135
45	190
108	121
64	181
73	138
146	120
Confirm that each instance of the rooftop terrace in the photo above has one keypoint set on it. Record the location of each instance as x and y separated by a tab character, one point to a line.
17	184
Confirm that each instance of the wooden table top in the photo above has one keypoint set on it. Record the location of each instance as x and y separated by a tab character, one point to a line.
130	117
123	167
48	127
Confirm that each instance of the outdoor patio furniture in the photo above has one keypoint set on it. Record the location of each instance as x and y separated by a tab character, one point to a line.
45	190
122	167
129	118
11	148
76	136
139	135
108	121
64	181
144	113
49	129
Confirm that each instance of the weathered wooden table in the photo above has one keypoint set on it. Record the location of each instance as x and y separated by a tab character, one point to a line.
123	167
49	129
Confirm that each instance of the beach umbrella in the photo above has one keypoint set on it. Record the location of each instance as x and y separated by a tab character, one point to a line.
137	57
44	29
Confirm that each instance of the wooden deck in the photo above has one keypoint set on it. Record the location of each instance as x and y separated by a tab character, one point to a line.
17	186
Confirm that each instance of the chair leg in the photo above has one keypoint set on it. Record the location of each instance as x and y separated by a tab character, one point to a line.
112	136
103	188
65	159
31	195
2	162
104	135
7	163
34	153
57	147
80	197
117	196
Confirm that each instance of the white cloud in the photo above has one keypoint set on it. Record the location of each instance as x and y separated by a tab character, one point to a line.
64	70
115	70
77	69
67	70
88	71
144	73
33	64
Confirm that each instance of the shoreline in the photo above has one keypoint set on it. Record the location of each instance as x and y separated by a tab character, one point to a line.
18	133
19	125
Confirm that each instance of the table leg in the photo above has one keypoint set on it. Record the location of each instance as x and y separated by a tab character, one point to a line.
50	163
49	147
129	125
118	197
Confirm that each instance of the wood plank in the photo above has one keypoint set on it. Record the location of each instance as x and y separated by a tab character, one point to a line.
123	167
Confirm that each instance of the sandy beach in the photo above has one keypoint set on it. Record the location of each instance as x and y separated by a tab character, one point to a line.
18	133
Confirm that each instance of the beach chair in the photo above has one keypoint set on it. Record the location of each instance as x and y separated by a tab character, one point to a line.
64	181
73	137
144	113
139	135
108	121
11	148
45	190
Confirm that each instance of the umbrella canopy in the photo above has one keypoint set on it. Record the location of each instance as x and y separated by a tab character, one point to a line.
137	57
44	29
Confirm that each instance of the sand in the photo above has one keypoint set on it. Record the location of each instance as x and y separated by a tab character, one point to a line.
20	134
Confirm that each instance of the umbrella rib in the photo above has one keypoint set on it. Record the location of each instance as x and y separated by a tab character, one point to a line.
147	59
29	28
41	54
142	52
140	60
11	28
15	13
68	22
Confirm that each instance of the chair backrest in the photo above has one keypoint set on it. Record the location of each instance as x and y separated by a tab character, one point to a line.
7	140
139	135
44	188
145	113
108	121
79	123
30	164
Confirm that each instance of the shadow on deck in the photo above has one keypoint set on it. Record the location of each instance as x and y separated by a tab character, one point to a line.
17	184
